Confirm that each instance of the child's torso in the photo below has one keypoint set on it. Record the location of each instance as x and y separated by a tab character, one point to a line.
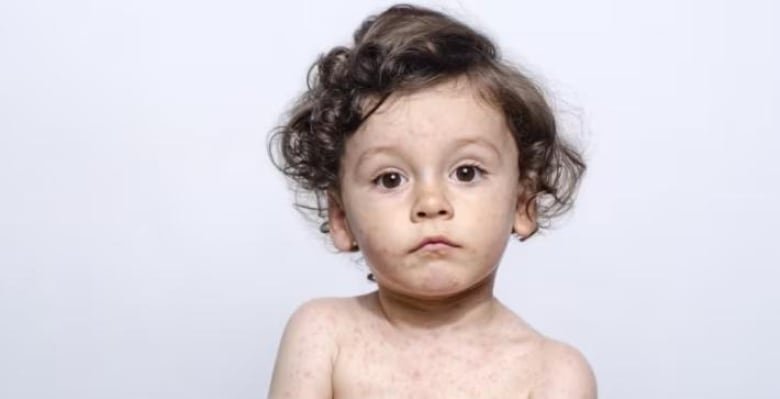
376	362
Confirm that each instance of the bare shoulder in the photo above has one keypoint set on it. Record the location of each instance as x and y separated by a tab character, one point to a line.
563	372
308	350
325	313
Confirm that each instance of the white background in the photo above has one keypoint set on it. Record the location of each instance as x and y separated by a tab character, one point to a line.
148	249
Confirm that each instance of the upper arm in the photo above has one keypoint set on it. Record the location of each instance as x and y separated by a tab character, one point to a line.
565	374
307	353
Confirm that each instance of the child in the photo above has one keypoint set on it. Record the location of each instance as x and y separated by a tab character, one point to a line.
425	152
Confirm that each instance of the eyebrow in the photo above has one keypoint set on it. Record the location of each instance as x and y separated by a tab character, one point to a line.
478	141
374	150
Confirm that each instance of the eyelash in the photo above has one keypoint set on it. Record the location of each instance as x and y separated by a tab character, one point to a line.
480	173
377	181
479	169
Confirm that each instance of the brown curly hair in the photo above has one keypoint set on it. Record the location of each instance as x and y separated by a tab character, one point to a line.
404	49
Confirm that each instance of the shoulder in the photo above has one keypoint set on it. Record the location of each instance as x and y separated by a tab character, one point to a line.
324	313
318	320
308	350
563	372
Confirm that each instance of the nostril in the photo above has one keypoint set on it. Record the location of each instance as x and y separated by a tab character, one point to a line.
441	212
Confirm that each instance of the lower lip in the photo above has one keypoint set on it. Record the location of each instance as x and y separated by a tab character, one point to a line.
435	246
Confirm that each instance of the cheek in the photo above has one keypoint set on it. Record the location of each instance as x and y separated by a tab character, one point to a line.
376	226
491	211
380	245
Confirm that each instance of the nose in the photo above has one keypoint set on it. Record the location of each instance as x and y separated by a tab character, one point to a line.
431	203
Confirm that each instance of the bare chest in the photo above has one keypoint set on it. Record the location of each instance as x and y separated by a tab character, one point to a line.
373	366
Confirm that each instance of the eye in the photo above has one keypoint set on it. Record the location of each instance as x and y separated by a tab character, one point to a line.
467	173
389	180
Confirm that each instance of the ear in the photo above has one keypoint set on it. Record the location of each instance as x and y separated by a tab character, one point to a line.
339	227
525	216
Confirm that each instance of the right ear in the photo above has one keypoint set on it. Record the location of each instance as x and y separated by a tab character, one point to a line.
338	225
525	224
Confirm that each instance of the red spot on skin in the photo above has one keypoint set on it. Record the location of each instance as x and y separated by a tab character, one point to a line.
416	375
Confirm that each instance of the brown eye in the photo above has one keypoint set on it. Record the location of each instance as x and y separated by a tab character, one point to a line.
466	173
389	180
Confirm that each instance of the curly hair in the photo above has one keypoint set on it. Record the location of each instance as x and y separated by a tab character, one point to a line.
402	50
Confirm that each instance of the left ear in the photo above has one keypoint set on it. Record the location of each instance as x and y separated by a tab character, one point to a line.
525	216
340	233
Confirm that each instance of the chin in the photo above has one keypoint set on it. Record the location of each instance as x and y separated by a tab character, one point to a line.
441	280
439	286
422	287
435	279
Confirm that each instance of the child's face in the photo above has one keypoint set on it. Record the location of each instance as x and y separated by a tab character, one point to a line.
439	167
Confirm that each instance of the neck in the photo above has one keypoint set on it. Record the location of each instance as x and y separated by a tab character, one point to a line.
463	312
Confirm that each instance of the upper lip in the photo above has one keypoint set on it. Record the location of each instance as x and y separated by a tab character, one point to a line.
435	240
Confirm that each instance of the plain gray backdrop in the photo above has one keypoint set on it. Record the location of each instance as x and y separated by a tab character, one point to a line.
148	248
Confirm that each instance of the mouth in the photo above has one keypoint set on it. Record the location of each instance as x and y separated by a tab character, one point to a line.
435	243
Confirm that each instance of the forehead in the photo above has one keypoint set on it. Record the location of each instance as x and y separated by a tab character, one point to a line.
453	111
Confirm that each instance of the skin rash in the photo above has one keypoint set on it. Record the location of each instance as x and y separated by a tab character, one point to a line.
430	194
